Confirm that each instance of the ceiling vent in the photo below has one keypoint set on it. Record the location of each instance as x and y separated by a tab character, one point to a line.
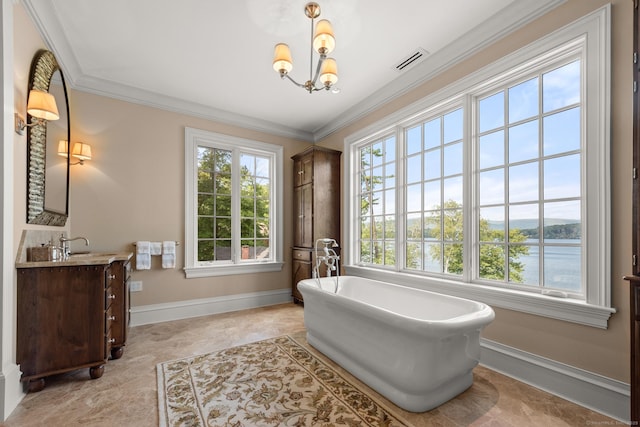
411	60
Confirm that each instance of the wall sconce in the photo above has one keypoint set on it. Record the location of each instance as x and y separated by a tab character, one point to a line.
81	151
41	106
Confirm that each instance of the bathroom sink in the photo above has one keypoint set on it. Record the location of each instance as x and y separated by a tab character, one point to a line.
91	254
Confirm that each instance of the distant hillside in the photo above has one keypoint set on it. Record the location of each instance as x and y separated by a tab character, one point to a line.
527	224
560	231
557	228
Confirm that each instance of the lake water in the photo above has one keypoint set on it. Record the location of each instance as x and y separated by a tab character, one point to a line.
562	265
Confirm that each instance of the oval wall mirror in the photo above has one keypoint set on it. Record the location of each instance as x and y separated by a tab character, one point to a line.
47	172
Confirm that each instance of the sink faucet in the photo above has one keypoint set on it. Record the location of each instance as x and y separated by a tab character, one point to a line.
64	244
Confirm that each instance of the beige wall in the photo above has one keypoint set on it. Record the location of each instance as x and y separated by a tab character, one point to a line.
133	190
602	351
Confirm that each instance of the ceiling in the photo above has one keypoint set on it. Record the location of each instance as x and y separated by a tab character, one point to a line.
212	58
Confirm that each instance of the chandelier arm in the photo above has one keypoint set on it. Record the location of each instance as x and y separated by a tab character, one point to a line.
311	55
320	61
291	79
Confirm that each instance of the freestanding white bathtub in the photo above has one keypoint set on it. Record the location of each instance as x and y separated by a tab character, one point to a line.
416	348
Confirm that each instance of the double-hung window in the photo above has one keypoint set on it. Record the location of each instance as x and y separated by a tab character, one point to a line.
434	194
233	205
529	185
496	187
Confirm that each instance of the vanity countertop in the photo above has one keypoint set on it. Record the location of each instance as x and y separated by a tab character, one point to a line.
91	258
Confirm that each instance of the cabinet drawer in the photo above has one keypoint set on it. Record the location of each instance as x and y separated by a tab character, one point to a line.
301	255
109	317
109	297
108	342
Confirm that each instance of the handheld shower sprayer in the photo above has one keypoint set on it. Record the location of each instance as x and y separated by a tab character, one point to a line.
328	257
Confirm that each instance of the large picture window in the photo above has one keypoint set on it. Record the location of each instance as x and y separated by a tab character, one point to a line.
529	150
233	205
377	197
434	194
496	187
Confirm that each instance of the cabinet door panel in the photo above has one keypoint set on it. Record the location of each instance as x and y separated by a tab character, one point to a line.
307	216
303	216
303	170
61	319
301	270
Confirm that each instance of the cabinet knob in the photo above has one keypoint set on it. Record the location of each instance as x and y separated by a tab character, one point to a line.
112	340
112	317
111	296
112	276
301	172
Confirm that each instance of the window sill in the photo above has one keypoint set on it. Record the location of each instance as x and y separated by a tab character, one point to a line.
231	269
566	309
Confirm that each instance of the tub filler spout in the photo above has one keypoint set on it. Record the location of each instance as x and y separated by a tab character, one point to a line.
325	254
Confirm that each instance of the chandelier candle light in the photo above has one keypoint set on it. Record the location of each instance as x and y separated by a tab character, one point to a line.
323	42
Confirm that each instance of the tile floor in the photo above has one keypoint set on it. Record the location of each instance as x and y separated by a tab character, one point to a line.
126	395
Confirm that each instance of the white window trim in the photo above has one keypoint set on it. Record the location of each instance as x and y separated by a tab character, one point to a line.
592	33
193	138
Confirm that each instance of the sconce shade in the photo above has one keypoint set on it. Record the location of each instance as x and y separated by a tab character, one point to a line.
323	40
282	58
329	72
81	151
63	148
42	105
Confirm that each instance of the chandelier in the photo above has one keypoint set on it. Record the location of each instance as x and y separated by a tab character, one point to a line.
323	42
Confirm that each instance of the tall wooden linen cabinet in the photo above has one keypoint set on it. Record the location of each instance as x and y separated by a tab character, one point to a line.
316	208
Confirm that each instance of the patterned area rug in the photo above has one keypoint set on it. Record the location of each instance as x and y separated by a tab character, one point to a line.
275	382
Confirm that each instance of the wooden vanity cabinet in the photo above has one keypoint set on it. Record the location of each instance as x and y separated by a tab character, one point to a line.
118	276
67	319
316	207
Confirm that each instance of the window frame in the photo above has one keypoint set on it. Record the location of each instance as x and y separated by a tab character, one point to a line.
590	37
193	268
570	54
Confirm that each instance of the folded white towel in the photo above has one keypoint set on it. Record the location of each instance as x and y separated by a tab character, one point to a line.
168	247
168	254
143	255
143	247
156	248
143	261
168	261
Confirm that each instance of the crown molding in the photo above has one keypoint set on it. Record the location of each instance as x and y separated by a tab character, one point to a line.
498	26
514	16
47	24
150	99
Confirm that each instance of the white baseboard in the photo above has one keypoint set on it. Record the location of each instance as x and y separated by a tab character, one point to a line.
156	313
11	390
598	393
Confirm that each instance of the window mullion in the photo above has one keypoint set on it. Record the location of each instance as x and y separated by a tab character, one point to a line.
506	241
401	219
235	206
468	194
540	186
